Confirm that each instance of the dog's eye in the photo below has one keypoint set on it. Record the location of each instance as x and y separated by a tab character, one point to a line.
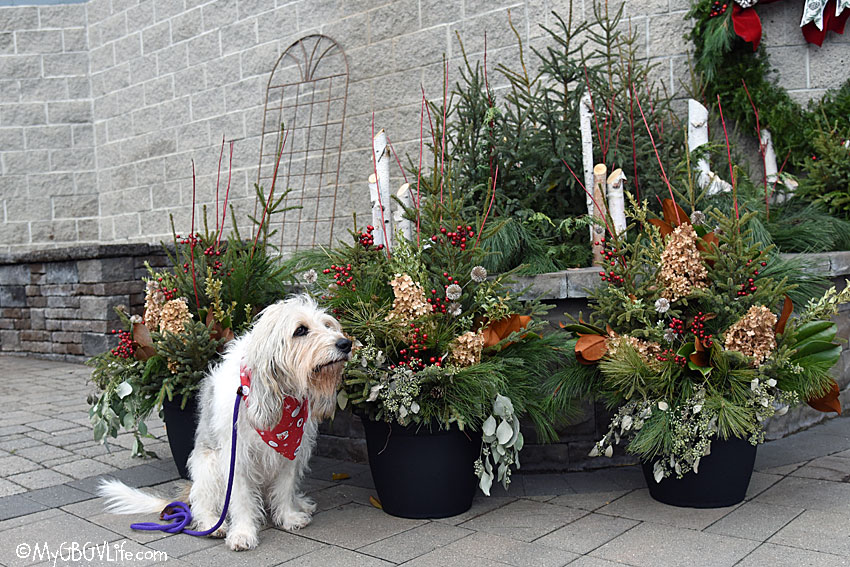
301	331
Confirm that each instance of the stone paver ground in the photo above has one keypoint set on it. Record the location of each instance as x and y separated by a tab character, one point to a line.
797	511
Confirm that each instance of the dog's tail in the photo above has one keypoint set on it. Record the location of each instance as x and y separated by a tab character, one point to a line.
122	499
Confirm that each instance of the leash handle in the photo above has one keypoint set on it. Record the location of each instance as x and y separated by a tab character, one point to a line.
180	512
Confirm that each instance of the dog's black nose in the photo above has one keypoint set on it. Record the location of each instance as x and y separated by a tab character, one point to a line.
344	345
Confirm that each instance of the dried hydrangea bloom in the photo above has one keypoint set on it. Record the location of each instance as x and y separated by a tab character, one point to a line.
682	269
648	350
174	315
409	302
478	274
466	349
154	300
753	334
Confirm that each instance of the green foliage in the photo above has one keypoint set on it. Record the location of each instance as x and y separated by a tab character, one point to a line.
531	132
671	373
189	355
828	173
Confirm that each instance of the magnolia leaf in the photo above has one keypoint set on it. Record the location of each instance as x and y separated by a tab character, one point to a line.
143	348
787	309
504	432
590	348
664	227
496	332
807	330
674	214
488	428
829	401
123	390
485	483
375	502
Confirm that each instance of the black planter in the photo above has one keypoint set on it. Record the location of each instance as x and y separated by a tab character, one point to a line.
422	473
723	478
180	427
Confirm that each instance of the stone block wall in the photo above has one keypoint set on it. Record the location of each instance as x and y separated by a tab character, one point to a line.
48	185
104	105
59	304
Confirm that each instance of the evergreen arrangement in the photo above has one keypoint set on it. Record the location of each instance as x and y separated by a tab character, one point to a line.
211	292
440	343
691	339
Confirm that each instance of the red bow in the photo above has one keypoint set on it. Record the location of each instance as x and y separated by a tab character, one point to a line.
747	24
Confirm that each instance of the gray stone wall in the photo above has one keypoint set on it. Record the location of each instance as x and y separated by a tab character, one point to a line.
59	304
104	104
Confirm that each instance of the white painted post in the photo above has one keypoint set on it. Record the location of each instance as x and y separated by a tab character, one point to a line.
403	225
698	137
382	188
617	201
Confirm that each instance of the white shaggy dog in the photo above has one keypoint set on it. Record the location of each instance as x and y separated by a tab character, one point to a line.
294	352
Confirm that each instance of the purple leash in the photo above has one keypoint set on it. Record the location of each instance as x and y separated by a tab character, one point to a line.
179	511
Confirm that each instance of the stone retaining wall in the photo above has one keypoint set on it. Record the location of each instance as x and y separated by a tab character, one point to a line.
59	304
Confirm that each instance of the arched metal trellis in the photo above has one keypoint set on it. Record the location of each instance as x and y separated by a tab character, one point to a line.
307	95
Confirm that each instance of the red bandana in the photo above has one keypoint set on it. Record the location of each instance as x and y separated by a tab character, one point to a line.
285	437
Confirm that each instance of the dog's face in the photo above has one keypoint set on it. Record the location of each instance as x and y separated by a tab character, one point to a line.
297	349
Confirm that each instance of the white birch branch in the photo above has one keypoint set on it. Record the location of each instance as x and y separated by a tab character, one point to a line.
382	189
617	201
600	210
698	137
403	225
585	120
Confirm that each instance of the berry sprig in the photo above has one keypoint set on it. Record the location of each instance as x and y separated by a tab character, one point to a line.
125	347
457	238
717	8
669	354
677	325
342	276
699	331
367	239
413	356
609	255
750	286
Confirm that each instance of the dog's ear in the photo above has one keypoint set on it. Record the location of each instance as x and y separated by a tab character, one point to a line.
266	401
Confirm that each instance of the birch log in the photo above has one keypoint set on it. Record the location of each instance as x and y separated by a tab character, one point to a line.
617	201
381	195
600	210
585	119
771	172
402	225
698	137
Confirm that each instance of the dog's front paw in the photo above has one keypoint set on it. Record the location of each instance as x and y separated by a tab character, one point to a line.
293	521
305	504
242	540
204	525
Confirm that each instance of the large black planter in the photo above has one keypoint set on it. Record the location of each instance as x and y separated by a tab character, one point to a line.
180	425
723	478
422	473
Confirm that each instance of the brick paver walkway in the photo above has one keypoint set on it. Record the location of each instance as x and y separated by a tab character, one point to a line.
797	512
